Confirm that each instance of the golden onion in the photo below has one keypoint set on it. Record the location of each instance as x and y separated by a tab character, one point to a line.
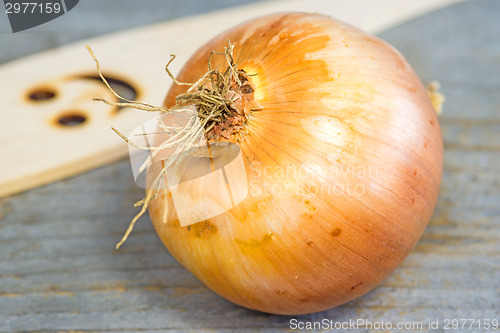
347	111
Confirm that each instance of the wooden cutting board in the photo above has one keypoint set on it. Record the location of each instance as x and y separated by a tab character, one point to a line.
51	129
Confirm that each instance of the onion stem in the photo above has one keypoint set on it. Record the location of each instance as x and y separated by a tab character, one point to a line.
222	100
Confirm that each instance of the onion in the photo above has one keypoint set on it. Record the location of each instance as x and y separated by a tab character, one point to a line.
343	164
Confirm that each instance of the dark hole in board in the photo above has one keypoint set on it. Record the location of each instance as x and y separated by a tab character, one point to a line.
72	120
122	88
42	94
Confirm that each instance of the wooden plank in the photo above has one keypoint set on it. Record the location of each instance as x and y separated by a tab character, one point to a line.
59	273
136	57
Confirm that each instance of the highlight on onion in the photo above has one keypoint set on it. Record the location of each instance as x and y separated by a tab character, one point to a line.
335	168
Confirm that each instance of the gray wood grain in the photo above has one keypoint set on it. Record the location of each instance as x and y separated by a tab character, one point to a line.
59	272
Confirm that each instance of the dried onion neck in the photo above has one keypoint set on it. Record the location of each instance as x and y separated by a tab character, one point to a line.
223	101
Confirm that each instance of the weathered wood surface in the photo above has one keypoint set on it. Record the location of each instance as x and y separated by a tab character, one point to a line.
58	270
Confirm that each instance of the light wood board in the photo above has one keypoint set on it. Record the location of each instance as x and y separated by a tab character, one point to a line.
35	149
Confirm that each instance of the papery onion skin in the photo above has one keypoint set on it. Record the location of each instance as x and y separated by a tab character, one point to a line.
346	107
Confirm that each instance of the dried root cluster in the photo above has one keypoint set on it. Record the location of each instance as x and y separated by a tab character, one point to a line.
222	100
